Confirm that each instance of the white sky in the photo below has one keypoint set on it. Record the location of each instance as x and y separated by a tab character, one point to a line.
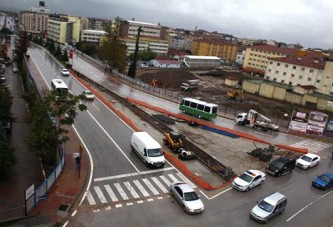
307	22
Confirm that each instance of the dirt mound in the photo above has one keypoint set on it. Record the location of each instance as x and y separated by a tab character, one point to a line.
171	79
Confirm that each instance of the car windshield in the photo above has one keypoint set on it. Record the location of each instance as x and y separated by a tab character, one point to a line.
306	158
246	177
191	196
265	206
155	152
88	93
277	165
324	178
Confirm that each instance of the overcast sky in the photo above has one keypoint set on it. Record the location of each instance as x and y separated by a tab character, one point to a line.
307	22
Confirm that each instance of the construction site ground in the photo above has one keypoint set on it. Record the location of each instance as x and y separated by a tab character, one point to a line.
219	146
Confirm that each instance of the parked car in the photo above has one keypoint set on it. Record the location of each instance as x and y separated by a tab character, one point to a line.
15	69
323	181
248	180
65	72
307	161
2	78
269	207
281	166
186	197
88	95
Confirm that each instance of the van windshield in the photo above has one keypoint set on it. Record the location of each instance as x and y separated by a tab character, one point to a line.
265	206
155	152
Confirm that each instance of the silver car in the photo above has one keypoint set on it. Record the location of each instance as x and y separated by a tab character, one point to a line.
270	206
186	197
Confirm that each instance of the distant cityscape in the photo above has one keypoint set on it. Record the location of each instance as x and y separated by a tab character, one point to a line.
304	71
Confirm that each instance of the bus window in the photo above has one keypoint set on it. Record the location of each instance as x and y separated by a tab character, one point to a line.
193	105
207	109
187	103
201	107
214	110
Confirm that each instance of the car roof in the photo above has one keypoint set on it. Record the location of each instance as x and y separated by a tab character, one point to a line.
329	174
184	187
274	198
311	155
253	172
283	159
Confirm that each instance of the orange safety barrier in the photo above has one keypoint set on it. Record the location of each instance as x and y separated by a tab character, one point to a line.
209	124
299	150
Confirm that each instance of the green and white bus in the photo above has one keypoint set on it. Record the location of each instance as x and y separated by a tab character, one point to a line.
199	108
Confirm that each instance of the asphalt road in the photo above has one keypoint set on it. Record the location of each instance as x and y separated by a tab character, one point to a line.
124	192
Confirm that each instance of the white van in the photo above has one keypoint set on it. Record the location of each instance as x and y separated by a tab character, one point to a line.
147	149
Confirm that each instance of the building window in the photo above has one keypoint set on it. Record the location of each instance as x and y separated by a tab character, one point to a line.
309	79
282	81
302	69
274	79
284	73
276	71
318	81
292	75
271	62
290	83
300	77
286	65
269	70
311	70
267	77
278	64
294	67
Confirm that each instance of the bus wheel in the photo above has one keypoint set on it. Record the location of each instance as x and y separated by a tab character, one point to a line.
199	116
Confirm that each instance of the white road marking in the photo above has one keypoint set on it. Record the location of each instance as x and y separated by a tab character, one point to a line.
218	194
181	176
107	134
121	191
129	204
141	188
90	198
158	183
173	178
166	181
132	174
149	200
140	201
108	208
111	193
131	189
100	194
119	205
309	205
150	186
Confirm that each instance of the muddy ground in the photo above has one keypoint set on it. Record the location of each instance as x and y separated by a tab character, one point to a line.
212	89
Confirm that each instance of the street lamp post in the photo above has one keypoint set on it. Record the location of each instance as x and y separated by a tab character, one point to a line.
132	69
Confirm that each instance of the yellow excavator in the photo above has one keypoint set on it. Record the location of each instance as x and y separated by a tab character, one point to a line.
173	140
237	94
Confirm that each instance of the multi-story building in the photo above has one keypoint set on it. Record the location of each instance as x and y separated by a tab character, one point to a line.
130	29
181	43
160	47
64	28
256	57
92	36
306	69
96	24
35	19
210	47
192	61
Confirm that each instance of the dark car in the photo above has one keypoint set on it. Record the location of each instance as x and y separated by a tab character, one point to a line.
281	166
323	181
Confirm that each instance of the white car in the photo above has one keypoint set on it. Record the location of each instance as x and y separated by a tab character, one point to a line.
88	95
65	72
248	180
307	161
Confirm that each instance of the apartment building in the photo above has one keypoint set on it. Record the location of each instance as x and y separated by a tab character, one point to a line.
210	47
192	61
34	20
64	28
256	57
307	70
96	24
130	29
92	36
181	43
160	47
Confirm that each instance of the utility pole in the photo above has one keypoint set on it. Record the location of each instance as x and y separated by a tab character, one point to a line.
132	69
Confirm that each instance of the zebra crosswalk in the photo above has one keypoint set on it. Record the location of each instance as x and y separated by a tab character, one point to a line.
312	145
134	189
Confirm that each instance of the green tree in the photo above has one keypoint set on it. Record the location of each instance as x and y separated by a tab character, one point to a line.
113	50
147	55
22	46
64	56
86	47
48	119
